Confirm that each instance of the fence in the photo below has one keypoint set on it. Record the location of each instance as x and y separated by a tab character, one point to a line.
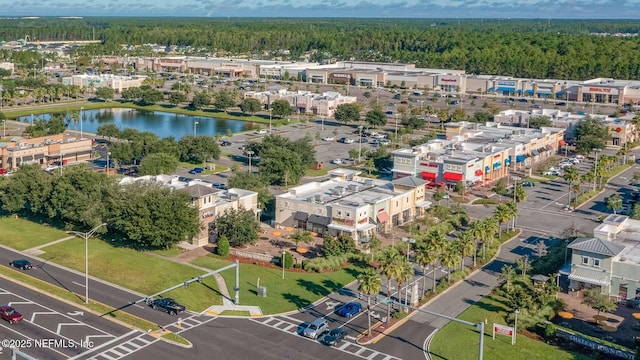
252	255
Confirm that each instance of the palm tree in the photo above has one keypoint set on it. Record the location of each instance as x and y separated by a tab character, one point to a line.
571	175
513	212
521	193
450	258
508	274
369	283
436	241
424	256
404	274
477	230
502	215
389	269
490	226
466	245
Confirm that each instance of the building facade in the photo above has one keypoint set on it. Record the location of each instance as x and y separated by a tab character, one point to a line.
44	150
347	204
116	82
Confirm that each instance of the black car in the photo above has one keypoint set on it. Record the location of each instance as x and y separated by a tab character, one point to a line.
332	337
362	140
168	305
528	184
22	264
225	143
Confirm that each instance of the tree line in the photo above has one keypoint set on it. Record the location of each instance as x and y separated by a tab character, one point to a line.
562	49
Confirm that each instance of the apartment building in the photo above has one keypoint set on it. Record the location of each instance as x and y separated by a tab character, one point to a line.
609	261
44	150
209	201
475	153
345	203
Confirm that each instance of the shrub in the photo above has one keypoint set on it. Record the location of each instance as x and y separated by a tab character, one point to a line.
223	247
485	202
400	314
329	263
549	331
288	260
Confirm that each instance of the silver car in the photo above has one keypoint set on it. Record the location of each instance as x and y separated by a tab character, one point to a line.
315	328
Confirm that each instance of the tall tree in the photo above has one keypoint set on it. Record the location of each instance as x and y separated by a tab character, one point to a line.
158	163
198	149
250	106
238	225
376	117
347	113
369	283
571	175
281	108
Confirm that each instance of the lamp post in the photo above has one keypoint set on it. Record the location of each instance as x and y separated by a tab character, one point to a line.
568	93
515	326
195	124
396	127
283	253
4	129
409	241
80	122
595	168
270	117
86	236
249	153
108	154
360	144
61	162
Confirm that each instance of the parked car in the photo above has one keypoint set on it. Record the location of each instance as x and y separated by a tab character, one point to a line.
168	305
3	171
196	171
523	100
385	171
362	140
336	161
349	309
225	143
220	186
528	184
551	173
561	103
315	328
332	337
328	138
22	264
261	132
536	106
10	314
346	140
384	141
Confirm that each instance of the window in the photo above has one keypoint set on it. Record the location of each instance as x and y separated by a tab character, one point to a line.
596	262
585	260
339	213
348	214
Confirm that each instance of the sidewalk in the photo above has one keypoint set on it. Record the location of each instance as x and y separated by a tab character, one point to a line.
35	251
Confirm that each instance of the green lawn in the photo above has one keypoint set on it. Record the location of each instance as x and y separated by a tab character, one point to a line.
23	234
297	290
136	270
459	342
315	173
172	252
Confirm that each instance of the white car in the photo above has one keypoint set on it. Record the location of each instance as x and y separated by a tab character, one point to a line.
579	157
50	168
261	132
551	173
328	138
336	161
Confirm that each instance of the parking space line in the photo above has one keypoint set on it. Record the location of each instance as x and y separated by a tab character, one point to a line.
33	316
19	302
10	328
109	343
73	282
60	325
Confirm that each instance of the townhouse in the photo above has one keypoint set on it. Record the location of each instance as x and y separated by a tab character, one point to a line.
345	203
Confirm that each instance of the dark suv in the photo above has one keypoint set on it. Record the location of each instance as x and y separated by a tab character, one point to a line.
22	264
167	304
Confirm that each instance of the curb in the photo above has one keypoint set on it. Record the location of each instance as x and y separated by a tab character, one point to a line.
604	188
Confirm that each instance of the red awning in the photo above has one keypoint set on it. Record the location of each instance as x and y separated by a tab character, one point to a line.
478	172
451	176
429	175
382	216
562	143
478	182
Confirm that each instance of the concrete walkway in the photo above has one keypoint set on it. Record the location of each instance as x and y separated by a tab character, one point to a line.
35	251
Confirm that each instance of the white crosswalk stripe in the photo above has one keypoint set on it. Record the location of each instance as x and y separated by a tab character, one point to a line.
126	348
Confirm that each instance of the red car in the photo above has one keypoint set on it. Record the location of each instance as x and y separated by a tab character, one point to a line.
10	314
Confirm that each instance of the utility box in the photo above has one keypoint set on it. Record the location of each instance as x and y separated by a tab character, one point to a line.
262	291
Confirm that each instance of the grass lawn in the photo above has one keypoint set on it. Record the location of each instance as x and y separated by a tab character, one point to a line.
23	234
459	342
136	270
296	291
315	173
172	252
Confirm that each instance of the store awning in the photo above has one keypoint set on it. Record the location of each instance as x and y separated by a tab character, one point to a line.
491	89
519	91
520	158
478	172
341	227
320	220
530	92
506	89
559	93
562	143
423	204
507	161
382	216
365	227
487	169
586	277
544	92
497	165
429	175
300	216
451	176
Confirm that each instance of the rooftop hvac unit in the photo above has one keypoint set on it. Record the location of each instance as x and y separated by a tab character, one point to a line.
318	198
311	199
353	187
368	182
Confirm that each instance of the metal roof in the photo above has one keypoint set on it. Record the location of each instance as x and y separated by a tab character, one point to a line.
596	246
409	181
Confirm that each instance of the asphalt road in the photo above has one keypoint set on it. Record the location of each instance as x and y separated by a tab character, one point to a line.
61	329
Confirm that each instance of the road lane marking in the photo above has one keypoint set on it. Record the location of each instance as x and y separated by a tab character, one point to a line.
81	285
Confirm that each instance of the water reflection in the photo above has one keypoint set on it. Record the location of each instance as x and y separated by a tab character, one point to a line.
162	124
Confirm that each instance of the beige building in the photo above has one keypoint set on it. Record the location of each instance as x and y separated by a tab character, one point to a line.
116	82
347	204
304	102
209	201
44	150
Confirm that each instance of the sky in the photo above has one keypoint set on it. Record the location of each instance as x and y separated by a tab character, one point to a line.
565	9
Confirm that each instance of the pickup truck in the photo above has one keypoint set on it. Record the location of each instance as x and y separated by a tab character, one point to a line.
167	305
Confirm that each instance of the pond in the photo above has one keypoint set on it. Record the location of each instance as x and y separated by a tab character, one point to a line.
163	124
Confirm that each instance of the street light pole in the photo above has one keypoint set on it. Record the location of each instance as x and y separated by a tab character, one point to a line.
195	124
81	122
270	117
61	162
515	326
396	127
4	129
409	241
360	144
108	153
86	236
283	252
250	153
515	187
